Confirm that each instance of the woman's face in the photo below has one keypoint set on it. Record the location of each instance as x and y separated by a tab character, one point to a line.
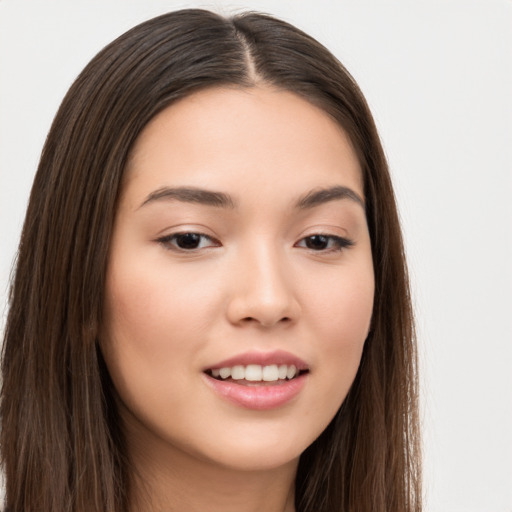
240	248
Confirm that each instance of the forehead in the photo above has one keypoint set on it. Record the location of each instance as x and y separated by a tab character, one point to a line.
222	137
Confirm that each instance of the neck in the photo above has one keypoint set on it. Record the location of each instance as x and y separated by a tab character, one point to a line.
168	479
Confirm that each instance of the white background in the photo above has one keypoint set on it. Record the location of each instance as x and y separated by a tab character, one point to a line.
438	77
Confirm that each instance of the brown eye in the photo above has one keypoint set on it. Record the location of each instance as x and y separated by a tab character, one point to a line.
325	243
317	242
187	241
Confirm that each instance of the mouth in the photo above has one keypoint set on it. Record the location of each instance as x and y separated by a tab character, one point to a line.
257	380
255	374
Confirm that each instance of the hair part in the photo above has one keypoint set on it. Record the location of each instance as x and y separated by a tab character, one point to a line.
62	447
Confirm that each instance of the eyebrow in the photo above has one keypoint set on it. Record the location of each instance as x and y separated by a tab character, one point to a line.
325	195
191	195
221	200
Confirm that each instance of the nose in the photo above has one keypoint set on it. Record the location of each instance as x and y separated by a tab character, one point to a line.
263	290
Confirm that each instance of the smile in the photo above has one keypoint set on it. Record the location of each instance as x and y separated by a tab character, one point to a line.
258	381
256	372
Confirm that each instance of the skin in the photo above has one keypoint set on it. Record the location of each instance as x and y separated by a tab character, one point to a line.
253	283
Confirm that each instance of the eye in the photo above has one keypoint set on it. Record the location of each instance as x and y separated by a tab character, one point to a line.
326	243
187	241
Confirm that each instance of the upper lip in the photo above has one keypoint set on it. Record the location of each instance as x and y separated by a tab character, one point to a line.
277	357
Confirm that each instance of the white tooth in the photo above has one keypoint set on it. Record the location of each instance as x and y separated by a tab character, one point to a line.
270	373
225	372
253	372
291	372
283	370
215	372
238	372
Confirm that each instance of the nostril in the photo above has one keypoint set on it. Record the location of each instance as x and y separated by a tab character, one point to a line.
250	319
264	311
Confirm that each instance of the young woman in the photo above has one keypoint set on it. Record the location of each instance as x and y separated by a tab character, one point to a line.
210	309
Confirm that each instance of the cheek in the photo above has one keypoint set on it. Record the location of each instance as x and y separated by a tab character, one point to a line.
153	307
342	305
154	323
341	317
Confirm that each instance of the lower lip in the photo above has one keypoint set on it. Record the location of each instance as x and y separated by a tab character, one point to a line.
259	398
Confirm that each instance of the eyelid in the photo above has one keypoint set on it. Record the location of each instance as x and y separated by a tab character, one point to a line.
335	243
341	242
165	241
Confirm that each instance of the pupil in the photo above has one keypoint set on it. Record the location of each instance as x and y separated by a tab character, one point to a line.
188	240
316	242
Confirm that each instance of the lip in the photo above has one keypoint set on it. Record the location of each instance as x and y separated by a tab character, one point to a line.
259	396
262	358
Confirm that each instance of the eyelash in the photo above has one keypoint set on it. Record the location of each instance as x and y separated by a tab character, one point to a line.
337	243
167	241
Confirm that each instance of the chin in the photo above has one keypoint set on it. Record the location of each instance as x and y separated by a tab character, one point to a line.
257	459
258	451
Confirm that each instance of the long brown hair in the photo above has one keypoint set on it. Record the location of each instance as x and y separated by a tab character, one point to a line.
62	447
